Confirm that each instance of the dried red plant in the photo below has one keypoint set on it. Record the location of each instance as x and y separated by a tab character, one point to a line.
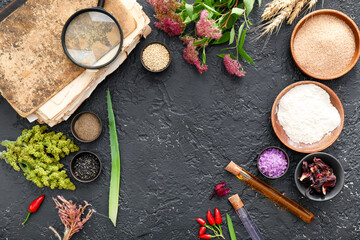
71	216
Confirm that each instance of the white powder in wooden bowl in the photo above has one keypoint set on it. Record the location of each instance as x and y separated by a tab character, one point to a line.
306	114
324	45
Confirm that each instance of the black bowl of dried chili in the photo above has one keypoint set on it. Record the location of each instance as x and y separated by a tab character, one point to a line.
319	176
85	167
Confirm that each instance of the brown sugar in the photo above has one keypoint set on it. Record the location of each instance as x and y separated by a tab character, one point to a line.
324	45
87	127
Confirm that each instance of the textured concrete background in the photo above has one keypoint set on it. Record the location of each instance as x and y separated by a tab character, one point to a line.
178	130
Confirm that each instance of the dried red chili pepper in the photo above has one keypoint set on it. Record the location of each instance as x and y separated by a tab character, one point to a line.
201	221
202	231
218	219
210	218
34	206
205	236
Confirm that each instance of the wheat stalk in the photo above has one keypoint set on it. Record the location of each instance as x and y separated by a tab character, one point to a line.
276	22
273	8
312	4
299	5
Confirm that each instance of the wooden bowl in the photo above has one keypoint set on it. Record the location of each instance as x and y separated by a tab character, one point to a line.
326	141
349	22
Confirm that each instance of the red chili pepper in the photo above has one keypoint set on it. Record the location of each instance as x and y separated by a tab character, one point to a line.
202	231
218	218
34	206
201	221
210	218
205	236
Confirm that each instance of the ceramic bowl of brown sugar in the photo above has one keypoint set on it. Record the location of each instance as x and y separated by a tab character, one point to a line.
325	44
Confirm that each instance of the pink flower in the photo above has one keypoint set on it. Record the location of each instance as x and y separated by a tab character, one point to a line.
169	26
71	216
233	67
206	27
191	56
220	190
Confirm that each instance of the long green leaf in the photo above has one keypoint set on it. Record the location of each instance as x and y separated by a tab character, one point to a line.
204	56
210	9
244	55
239	32
230	227
259	2
115	164
249	4
242	39
232	35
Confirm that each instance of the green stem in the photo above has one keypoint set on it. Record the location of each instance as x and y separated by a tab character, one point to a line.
26	218
211	228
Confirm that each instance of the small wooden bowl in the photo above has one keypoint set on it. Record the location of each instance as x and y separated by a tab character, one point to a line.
349	22
326	141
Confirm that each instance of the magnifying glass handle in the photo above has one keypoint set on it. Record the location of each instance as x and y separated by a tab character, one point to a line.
101	3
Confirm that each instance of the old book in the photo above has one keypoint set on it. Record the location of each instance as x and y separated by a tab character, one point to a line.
33	66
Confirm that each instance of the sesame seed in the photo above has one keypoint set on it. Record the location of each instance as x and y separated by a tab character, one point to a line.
156	57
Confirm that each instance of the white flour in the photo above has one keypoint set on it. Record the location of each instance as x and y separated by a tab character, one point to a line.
306	114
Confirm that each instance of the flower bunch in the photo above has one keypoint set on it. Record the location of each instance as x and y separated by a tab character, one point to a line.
71	216
214	23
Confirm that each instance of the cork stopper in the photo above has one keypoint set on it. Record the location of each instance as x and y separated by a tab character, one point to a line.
233	168
236	201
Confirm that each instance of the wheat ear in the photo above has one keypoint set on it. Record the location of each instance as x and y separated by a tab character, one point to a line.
312	4
275	23
298	7
273	8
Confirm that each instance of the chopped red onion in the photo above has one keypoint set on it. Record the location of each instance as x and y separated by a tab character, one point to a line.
273	162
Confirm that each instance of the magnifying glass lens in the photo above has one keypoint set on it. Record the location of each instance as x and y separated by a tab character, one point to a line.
92	39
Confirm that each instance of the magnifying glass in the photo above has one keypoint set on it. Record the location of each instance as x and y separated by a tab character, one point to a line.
92	38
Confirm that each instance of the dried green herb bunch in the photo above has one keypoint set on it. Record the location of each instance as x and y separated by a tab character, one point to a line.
38	154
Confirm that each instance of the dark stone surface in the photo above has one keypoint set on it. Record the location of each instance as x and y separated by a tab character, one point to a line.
177	131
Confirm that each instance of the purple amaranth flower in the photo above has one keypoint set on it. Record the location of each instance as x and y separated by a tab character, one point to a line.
169	26
233	67
220	190
191	56
206	27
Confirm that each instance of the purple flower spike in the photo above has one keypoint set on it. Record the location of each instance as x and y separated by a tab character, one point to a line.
220	190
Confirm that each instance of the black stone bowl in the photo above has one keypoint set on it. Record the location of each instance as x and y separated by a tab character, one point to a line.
142	61
287	158
333	163
93	157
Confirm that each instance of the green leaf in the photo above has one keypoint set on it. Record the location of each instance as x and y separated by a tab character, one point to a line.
249	4
232	35
208	2
200	41
239	32
115	164
230	3
231	21
187	20
224	38
204	56
237	12
242	40
210	9
230	227
227	48
224	54
195	16
189	9
244	55
259	2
